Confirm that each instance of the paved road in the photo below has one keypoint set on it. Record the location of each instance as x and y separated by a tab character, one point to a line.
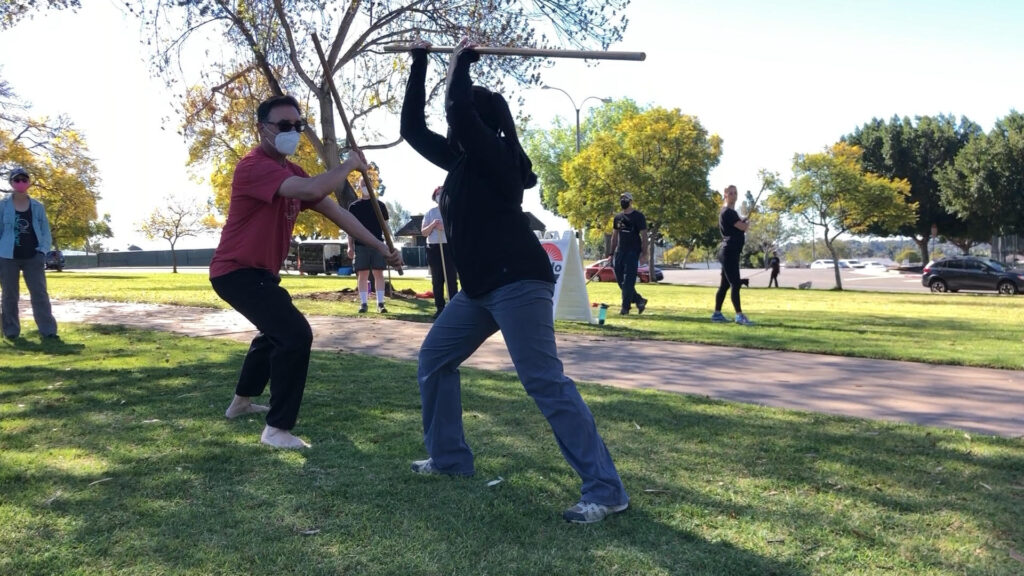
974	399
867	280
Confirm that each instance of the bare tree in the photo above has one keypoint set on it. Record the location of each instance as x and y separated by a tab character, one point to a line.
179	218
273	37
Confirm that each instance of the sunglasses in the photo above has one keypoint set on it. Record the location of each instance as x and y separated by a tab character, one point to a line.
19	179
286	126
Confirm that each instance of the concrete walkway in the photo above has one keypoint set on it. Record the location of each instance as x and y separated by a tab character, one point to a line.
974	399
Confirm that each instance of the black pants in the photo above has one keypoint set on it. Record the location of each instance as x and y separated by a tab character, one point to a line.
625	264
774	278
730	261
280	352
439	279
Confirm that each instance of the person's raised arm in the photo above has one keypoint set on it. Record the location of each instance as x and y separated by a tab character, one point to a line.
429	144
316	188
477	139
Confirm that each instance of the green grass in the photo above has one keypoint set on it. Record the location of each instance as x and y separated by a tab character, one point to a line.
973	330
115	459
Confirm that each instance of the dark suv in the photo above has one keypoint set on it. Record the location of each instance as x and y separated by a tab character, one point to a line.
967	273
55	260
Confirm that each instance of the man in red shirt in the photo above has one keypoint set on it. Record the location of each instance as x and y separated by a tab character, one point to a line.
267	194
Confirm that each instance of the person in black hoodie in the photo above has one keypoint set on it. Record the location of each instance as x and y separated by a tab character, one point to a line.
507	285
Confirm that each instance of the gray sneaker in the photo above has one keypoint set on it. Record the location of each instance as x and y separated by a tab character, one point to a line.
590	512
426	467
742	320
718	317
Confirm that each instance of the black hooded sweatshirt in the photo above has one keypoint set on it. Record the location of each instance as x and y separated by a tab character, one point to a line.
481	204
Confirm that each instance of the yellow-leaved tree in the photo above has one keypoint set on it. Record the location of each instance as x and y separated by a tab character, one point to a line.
663	158
832	191
64	177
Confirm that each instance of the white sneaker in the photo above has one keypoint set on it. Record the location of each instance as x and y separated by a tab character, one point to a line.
590	512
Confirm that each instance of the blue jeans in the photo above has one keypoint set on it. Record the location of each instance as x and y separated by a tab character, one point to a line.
522	311
34	271
625	265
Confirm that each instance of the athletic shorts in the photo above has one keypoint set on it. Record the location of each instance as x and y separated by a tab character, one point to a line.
368	259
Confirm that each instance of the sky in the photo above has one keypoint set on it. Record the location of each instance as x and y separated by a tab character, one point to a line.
773	79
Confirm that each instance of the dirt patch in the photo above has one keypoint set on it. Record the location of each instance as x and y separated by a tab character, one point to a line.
351	295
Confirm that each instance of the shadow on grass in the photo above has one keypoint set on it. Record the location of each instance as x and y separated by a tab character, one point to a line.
123	461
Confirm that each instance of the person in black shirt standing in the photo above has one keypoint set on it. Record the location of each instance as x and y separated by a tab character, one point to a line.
733	230
774	264
507	285
628	251
366	259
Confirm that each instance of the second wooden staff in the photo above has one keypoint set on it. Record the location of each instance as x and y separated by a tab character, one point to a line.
531	52
329	79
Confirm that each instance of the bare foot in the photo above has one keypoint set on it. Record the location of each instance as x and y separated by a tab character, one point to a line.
241	406
282	439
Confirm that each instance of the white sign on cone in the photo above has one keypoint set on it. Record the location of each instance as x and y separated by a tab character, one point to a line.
571	300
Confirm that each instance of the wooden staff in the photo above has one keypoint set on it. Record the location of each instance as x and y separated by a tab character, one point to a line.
329	78
531	52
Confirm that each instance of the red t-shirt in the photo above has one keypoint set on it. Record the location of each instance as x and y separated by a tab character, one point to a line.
260	222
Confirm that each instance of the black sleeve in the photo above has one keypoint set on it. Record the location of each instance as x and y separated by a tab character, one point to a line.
430	145
384	210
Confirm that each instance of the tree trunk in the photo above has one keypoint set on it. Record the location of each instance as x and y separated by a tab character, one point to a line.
922	245
835	262
174	260
332	153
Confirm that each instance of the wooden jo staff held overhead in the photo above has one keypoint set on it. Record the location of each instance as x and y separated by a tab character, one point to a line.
329	79
531	52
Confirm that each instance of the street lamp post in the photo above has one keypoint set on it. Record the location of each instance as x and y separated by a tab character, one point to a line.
577	109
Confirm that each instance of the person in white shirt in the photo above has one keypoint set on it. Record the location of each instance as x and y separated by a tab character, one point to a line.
439	255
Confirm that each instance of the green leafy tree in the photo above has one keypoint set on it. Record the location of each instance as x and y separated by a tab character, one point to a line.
397	216
830	190
917	151
178	218
663	158
98	231
274	39
552	148
985	184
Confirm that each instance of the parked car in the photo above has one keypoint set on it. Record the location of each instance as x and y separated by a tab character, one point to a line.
601	271
826	263
969	273
850	263
55	260
875	266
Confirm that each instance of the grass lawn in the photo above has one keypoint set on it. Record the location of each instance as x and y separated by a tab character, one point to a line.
115	459
968	329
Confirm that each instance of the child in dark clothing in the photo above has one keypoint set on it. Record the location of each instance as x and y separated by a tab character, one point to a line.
507	285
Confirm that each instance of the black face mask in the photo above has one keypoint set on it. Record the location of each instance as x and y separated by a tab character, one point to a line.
624	204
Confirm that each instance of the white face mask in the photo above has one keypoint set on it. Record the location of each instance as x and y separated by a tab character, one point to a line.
287	142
